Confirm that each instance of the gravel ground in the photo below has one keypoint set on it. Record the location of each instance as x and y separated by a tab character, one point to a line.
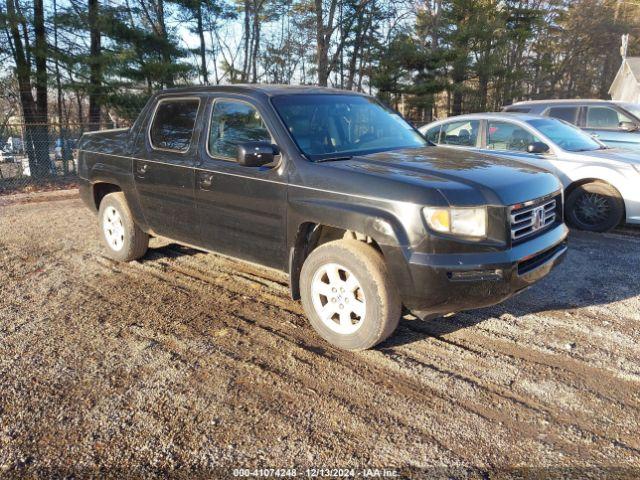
185	363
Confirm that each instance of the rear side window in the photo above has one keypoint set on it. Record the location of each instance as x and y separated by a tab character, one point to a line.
568	114
433	134
173	123
508	136
463	134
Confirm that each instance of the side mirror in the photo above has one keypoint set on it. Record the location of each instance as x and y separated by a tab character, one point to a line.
256	154
628	126
538	147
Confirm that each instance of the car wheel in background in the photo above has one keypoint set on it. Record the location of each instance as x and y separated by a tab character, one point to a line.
596	207
123	238
348	296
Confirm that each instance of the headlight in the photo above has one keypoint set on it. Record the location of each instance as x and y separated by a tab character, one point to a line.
469	222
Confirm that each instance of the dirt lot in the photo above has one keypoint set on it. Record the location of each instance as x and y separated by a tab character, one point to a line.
187	363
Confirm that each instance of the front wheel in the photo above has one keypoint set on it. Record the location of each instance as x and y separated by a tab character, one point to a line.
596	207
125	241
348	296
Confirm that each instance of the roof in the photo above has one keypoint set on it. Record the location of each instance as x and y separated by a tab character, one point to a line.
523	117
634	66
267	90
560	101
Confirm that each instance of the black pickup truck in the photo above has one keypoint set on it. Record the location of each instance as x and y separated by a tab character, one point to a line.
332	188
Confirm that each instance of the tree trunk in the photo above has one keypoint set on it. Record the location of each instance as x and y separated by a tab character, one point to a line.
256	45
166	55
203	51
247	27
95	67
322	50
65	153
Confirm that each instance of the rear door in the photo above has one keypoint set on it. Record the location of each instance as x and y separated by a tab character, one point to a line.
164	172
241	210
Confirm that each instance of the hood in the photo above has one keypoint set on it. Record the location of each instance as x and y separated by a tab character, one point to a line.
462	177
609	155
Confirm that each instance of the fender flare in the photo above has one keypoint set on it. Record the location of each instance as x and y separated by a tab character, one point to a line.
381	225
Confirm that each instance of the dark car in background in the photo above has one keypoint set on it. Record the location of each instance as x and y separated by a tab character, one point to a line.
616	124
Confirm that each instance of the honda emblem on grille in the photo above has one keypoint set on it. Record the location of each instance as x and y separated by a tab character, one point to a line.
539	218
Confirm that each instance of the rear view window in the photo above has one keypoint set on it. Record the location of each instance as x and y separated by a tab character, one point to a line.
173	123
518	109
568	114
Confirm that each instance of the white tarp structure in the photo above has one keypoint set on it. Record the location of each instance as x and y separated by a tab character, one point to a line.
626	85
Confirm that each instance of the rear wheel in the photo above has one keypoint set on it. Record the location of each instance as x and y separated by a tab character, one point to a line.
348	296
125	241
596	207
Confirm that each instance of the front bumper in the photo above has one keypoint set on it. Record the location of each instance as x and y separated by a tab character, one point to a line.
444	283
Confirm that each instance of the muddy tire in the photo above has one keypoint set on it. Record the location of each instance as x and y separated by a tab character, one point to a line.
120	234
348	296
596	207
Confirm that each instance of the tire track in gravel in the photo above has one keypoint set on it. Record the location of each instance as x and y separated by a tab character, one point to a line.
310	352
473	407
467	390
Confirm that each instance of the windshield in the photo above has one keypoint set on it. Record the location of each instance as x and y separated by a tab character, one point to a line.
330	126
633	108
566	136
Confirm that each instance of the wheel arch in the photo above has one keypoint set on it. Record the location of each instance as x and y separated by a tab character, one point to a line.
328	221
586	181
102	189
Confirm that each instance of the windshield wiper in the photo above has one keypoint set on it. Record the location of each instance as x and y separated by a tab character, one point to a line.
333	159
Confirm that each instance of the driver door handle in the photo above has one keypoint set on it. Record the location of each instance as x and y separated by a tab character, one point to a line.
141	168
206	180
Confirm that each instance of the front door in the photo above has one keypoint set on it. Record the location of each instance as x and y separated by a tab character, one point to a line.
164	168
605	123
241	210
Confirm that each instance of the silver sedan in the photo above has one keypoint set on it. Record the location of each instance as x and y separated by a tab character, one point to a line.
602	184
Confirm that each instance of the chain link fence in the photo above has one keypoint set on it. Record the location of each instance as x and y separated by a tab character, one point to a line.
39	154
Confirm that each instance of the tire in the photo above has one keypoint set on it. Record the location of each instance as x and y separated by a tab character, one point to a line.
120	234
596	207
374	309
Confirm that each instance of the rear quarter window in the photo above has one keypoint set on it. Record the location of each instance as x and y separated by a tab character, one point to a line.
568	114
173	123
433	134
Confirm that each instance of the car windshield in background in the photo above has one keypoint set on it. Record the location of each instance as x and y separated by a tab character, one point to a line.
633	108
330	126
566	136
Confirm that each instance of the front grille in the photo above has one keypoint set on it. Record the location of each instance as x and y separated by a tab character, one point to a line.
534	218
534	262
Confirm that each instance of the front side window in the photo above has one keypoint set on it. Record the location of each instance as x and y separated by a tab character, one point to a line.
173	123
234	122
605	117
567	137
463	134
329	125
508	136
568	114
